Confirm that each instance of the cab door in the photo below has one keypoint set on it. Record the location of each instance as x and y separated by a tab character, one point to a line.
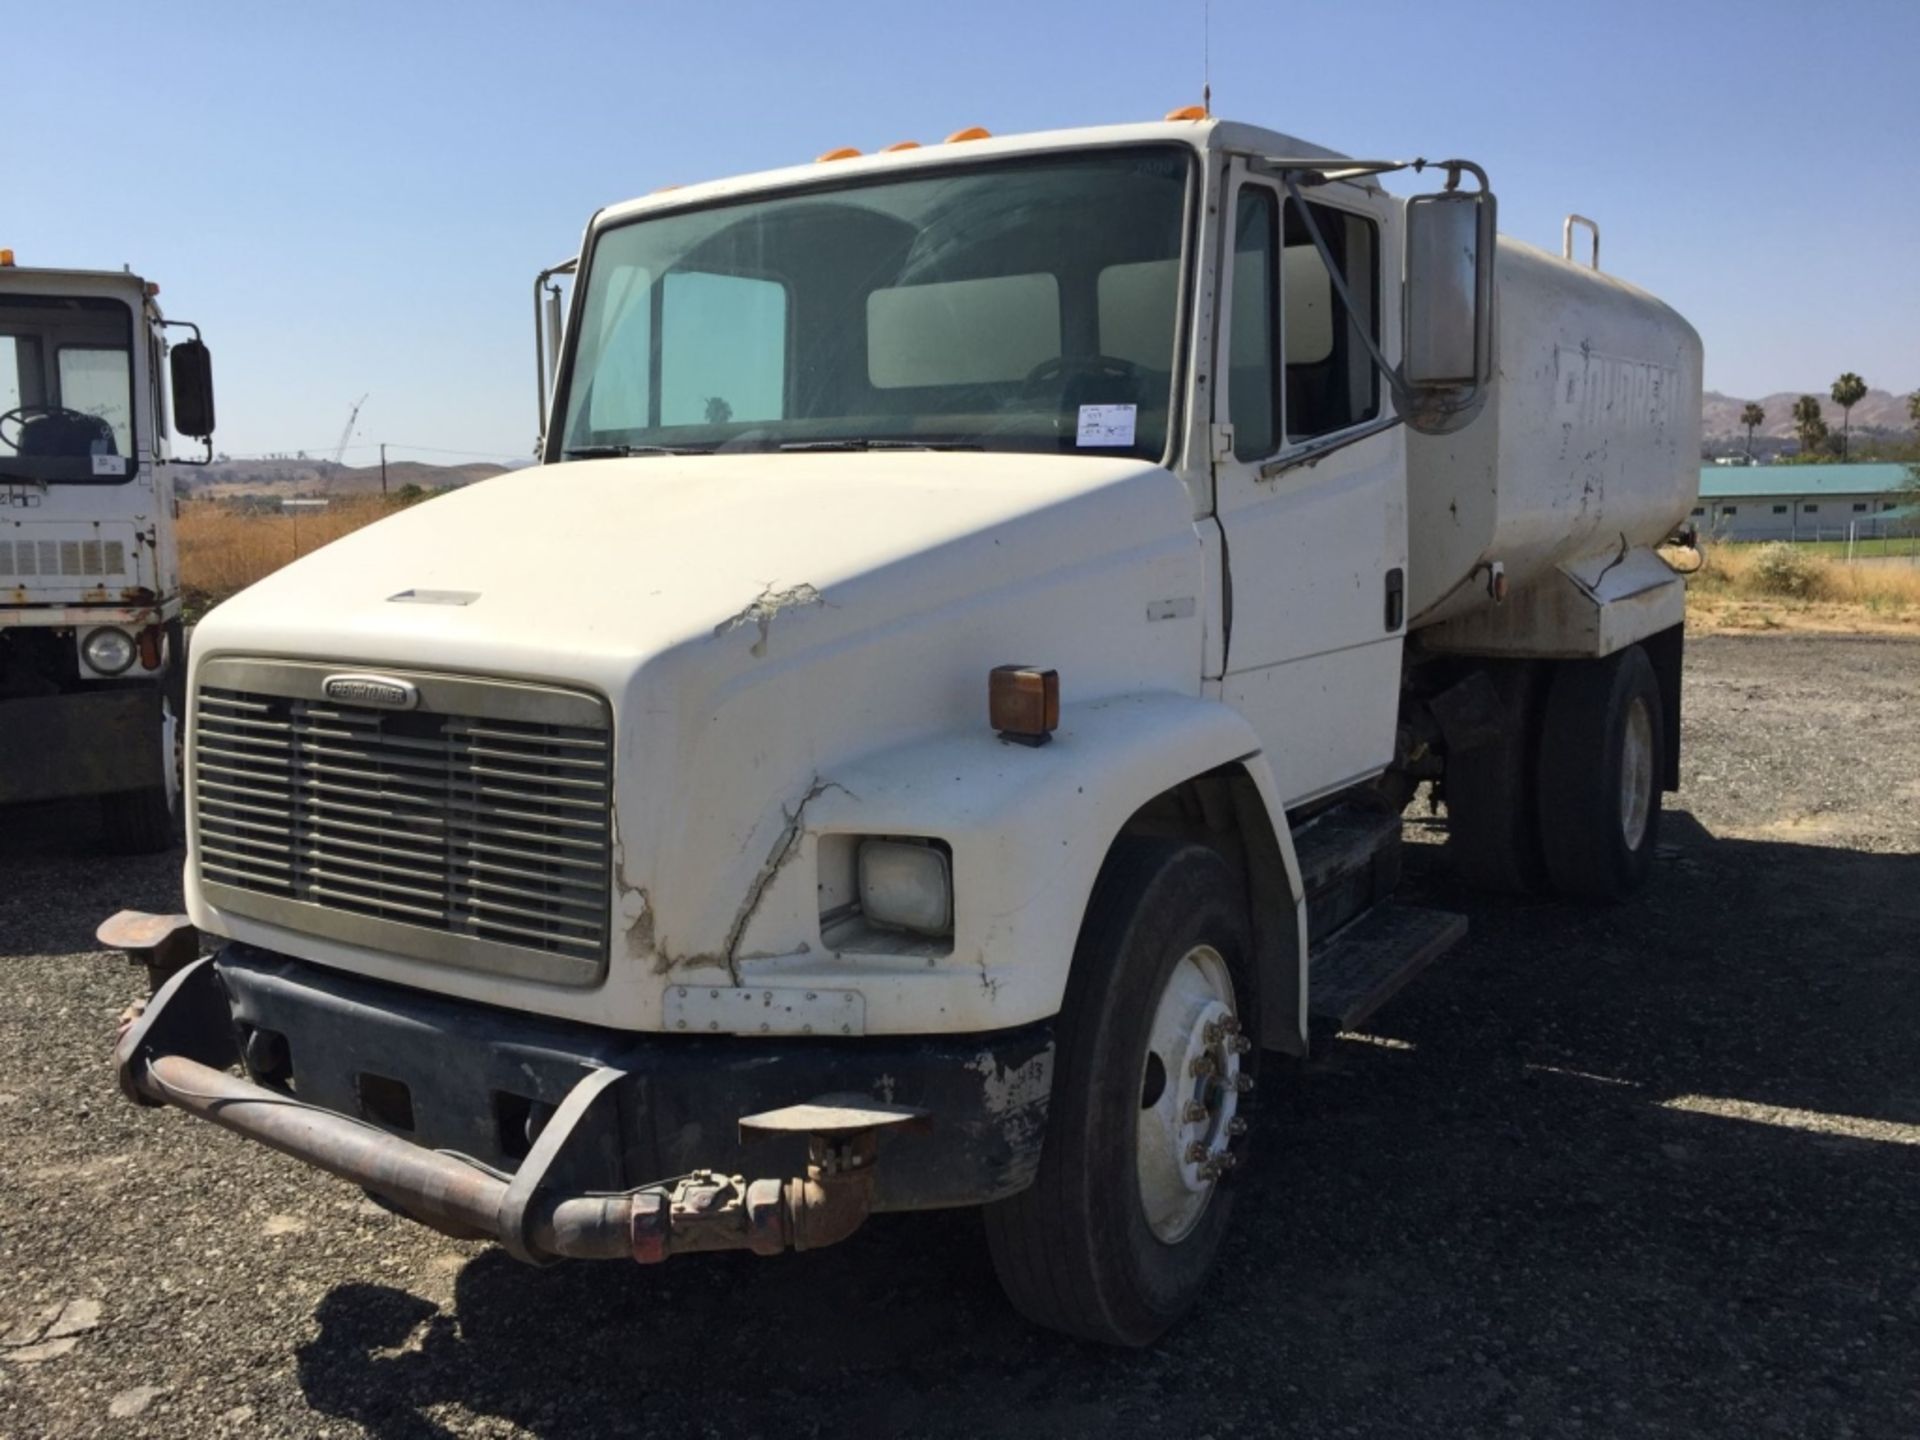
1310	482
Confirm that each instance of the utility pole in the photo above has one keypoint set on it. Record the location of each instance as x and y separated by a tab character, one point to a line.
383	469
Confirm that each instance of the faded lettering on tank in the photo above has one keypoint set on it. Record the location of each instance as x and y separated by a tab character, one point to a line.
1594	392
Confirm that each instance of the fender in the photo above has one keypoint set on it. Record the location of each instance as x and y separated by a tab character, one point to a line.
1029	828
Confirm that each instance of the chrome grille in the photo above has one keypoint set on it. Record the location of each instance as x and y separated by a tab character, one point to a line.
489	832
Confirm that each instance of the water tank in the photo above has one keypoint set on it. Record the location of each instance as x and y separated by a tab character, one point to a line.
1591	433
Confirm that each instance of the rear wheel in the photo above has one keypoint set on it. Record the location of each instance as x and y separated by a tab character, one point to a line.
1493	831
1115	1239
1602	738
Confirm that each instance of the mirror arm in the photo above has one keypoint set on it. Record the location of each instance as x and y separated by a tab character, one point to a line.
1401	399
542	360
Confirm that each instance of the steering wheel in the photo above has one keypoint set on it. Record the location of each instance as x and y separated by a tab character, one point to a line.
18	417
1092	367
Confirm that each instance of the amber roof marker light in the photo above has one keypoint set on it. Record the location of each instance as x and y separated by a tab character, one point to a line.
1023	703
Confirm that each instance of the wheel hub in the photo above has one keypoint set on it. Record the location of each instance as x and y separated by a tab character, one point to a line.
1191	1084
1636	774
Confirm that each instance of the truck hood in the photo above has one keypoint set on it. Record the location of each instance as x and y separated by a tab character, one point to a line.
758	624
576	572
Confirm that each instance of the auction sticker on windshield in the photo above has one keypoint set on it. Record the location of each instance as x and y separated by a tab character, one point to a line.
1106	425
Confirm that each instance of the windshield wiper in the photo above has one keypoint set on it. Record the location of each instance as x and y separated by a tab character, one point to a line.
616	452
865	444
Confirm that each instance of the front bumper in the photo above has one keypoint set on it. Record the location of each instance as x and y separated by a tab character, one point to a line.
491	1122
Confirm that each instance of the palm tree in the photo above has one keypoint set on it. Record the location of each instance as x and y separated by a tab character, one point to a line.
1753	417
1809	424
1848	391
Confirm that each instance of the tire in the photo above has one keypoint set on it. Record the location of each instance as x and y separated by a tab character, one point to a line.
1493	827
139	822
1602	737
149	820
1078	1252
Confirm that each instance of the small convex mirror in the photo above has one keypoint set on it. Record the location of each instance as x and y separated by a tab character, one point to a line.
191	370
1447	340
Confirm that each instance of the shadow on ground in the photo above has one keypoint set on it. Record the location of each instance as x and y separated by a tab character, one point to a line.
1510	1207
53	869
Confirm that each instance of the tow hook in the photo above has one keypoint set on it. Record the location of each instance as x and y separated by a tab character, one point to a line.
706	1211
162	943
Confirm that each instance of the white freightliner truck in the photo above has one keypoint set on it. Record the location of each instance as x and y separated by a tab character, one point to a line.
954	679
92	660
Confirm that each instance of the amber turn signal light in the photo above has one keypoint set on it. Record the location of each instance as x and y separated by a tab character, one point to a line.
1023	703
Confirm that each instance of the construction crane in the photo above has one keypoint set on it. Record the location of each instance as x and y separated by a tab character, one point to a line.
347	434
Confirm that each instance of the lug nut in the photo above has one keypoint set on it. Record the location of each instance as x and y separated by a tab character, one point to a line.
1195	1112
1197	1153
1241	1045
1203	1065
1243	1082
1236	1126
1230	1024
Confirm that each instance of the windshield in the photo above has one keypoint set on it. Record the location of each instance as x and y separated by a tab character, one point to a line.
66	388
1027	305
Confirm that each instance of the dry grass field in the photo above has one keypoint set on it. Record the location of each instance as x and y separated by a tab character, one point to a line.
225	548
1784	587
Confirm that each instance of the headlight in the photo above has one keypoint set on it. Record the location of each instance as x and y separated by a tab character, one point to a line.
906	886
108	651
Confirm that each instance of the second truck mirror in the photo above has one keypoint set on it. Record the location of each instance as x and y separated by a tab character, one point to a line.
191	371
1447	349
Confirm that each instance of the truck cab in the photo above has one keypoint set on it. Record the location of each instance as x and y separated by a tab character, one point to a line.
92	659
940	711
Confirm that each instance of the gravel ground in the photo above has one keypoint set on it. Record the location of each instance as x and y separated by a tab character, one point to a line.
1650	1170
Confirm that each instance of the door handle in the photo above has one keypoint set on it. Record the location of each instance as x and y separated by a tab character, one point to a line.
1396	598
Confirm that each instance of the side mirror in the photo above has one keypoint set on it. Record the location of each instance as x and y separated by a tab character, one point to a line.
1447	336
191	370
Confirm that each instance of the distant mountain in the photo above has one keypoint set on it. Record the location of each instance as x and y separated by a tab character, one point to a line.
1881	410
224	479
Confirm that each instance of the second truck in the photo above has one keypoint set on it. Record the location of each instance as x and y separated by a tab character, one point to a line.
92	640
940	714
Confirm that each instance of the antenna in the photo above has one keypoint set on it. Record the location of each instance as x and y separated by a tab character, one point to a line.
1206	56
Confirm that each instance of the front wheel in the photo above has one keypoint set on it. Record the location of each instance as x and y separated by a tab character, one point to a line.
1115	1239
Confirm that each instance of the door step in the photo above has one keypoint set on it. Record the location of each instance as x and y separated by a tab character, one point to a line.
1349	862
1366	962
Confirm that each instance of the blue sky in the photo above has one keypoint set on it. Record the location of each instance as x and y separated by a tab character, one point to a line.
355	197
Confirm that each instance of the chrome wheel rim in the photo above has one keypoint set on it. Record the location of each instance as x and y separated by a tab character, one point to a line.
1189	1094
1636	774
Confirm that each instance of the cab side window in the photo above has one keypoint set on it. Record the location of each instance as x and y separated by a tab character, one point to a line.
1331	382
